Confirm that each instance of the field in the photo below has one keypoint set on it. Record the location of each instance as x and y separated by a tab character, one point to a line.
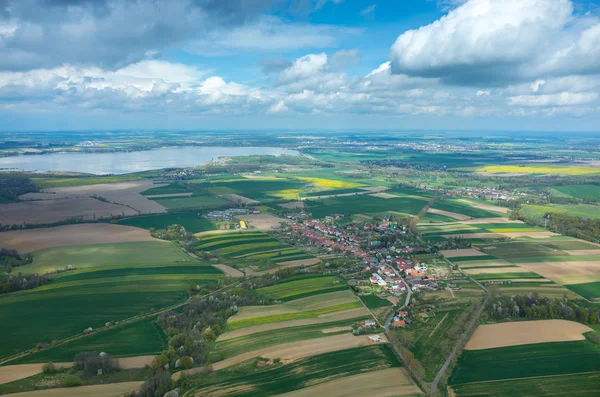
580	210
192	221
101	390
139	338
315	371
407	203
584	192
200	201
303	287
245	249
586	385
466	208
96	233
547	169
490	336
111	282
524	361
103	255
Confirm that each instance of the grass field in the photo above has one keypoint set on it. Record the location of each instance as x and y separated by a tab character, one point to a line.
589	291
139	338
245	380
375	302
303	287
100	255
192	221
540	359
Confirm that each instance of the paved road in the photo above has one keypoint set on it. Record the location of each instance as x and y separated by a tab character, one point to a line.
388	321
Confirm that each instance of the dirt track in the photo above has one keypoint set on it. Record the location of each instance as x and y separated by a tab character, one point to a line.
525	332
94	233
230	271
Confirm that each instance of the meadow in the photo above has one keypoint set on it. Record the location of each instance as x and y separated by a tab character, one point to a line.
192	221
199	201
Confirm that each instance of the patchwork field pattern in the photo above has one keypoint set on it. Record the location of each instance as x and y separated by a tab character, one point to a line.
250	249
111	282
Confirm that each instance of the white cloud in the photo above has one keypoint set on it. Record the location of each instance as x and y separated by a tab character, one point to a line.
279	107
562	99
481	41
269	34
484	93
304	67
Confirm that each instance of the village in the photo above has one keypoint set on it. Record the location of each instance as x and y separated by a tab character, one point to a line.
388	255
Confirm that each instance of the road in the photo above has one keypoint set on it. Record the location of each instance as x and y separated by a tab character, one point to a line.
388	321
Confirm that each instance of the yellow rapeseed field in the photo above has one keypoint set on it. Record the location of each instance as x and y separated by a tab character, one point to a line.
537	169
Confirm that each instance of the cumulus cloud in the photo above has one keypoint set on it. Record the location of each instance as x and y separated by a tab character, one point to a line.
486	42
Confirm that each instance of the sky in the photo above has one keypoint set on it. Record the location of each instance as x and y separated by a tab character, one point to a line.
300	64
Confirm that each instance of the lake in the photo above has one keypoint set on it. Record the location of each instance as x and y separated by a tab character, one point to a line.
127	162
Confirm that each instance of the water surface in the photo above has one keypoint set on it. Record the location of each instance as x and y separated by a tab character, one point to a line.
127	162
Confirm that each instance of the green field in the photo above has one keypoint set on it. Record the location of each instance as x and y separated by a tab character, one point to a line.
584	192
540	359
74	303
249	249
299	374
140	338
584	385
192	221
366	204
589	291
375	302
580	210
303	287
277	318
111	282
172	188
200	201
101	255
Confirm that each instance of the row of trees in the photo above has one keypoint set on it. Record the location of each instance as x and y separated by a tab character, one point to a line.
21	282
535	307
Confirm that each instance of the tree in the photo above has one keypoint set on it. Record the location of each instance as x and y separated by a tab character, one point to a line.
49	368
157	385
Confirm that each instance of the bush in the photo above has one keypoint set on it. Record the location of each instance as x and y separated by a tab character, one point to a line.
71	381
157	385
49	368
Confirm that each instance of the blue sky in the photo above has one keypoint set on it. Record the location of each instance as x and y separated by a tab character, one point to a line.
300	64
